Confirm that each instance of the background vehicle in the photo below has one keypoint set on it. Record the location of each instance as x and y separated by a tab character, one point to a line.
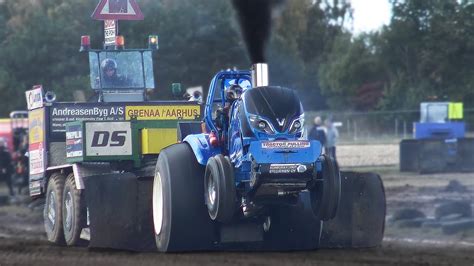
14	133
439	141
13	128
19	125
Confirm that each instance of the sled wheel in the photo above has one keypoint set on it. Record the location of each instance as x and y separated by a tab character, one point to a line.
52	214
74	212
180	218
325	195
219	189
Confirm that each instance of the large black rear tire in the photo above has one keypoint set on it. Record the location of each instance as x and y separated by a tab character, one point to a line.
360	219
180	217
52	214
74	212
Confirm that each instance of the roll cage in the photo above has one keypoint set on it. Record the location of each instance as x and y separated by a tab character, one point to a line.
218	83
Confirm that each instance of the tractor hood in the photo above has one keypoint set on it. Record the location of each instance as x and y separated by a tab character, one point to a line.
278	106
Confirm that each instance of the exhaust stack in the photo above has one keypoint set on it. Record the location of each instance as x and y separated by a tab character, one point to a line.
260	75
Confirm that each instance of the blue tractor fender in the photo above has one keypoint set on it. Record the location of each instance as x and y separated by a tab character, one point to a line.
201	147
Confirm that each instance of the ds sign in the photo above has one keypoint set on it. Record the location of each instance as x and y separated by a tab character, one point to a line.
108	139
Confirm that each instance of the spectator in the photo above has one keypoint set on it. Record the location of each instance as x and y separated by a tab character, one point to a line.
22	171
6	167
331	138
317	131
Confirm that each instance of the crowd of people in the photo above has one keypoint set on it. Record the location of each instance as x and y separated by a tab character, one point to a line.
327	134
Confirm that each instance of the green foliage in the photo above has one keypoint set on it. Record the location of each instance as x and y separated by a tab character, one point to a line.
40	41
426	52
303	34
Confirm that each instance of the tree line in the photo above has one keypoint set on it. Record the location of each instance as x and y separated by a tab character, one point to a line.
424	53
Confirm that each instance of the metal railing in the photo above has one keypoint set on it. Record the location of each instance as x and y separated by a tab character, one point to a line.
378	126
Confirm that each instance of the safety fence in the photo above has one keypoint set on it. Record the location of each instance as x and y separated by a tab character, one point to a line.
378	126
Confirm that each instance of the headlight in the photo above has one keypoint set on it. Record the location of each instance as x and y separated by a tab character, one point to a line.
297	125
261	124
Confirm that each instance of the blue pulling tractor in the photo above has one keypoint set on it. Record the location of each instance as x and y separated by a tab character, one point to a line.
245	175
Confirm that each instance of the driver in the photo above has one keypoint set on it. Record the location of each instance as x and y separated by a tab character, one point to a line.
110	78
233	92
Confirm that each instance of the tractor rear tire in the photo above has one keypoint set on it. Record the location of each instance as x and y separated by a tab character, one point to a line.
360	219
219	189
180	217
326	194
74	212
52	214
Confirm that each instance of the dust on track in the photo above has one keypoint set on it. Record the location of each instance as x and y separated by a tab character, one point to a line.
22	241
38	252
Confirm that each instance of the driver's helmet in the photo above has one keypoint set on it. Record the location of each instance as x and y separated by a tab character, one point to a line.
233	92
108	64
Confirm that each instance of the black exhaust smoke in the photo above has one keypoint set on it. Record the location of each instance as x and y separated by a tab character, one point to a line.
255	17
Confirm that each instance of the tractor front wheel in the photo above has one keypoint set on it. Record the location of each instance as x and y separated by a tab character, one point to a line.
219	189
326	193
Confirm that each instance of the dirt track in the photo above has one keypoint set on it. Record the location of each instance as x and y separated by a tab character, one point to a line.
22	252
22	240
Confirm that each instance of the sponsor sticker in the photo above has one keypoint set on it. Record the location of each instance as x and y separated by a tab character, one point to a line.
74	154
166	112
36	155
36	142
287	168
285	144
34	97
36	126
110	31
63	113
283	168
74	145
74	135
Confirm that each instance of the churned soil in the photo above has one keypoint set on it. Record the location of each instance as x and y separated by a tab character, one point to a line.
22	240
